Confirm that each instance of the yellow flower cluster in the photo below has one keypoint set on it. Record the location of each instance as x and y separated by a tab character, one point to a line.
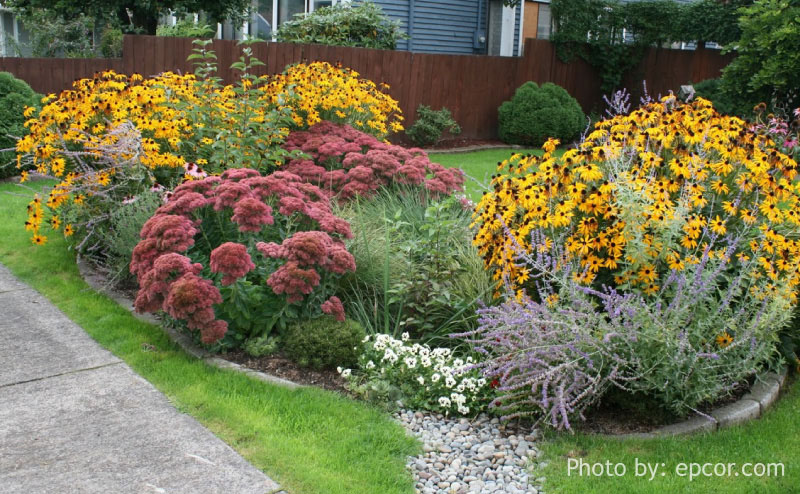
647	193
77	134
85	117
326	92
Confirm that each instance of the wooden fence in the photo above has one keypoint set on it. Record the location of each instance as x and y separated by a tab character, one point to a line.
472	87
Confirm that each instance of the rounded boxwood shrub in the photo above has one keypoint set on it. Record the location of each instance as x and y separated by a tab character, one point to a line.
537	113
15	95
324	342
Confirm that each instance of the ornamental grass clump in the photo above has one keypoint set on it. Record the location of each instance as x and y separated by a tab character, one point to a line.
256	252
346	163
674	228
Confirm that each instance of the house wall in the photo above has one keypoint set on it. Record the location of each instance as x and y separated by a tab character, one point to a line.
438	26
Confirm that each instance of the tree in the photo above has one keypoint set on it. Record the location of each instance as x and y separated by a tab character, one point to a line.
767	60
137	15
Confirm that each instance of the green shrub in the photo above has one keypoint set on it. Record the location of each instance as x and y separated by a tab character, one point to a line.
186	28
261	345
324	342
536	113
416	268
364	25
111	42
15	95
712	90
767	60
430	124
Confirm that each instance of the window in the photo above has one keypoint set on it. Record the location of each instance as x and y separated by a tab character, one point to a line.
544	22
321	3
287	9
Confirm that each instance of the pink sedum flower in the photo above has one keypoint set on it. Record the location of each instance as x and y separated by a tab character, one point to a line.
334	307
232	260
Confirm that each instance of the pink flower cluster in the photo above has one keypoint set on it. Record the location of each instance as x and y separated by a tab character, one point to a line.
346	162
232	260
304	251
173	285
169	281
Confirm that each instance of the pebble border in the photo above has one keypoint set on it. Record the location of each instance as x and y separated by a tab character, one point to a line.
751	406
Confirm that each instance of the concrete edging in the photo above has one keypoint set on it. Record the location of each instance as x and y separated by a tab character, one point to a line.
99	283
751	406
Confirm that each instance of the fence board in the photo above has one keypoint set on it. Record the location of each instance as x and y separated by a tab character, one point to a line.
472	87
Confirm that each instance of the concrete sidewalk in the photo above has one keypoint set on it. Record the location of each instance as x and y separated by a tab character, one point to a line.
76	419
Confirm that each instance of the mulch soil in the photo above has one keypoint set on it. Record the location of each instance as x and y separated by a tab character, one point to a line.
448	144
613	418
280	366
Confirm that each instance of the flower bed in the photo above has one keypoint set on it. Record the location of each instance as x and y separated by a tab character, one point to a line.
660	256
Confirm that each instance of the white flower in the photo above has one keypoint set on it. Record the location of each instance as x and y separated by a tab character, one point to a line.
370	365
458	363
404	336
339	370
390	356
463	410
449	381
444	402
421	380
410	362
481	382
425	361
458	399
460	388
366	339
435	377
346	373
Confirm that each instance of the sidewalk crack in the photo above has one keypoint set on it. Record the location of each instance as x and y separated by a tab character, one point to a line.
75	371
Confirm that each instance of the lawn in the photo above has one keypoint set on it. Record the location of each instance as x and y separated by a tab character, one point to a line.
310	441
479	165
770	440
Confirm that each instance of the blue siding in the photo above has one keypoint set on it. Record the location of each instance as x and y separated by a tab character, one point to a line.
517	27
439	26
397	10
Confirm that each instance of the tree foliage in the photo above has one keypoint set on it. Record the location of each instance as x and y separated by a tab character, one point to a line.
612	35
767	64
136	15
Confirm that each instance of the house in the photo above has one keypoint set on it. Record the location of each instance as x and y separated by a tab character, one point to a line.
434	26
13	36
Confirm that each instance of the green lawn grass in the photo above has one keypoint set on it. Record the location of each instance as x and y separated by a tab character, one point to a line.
772	439
479	165
309	440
